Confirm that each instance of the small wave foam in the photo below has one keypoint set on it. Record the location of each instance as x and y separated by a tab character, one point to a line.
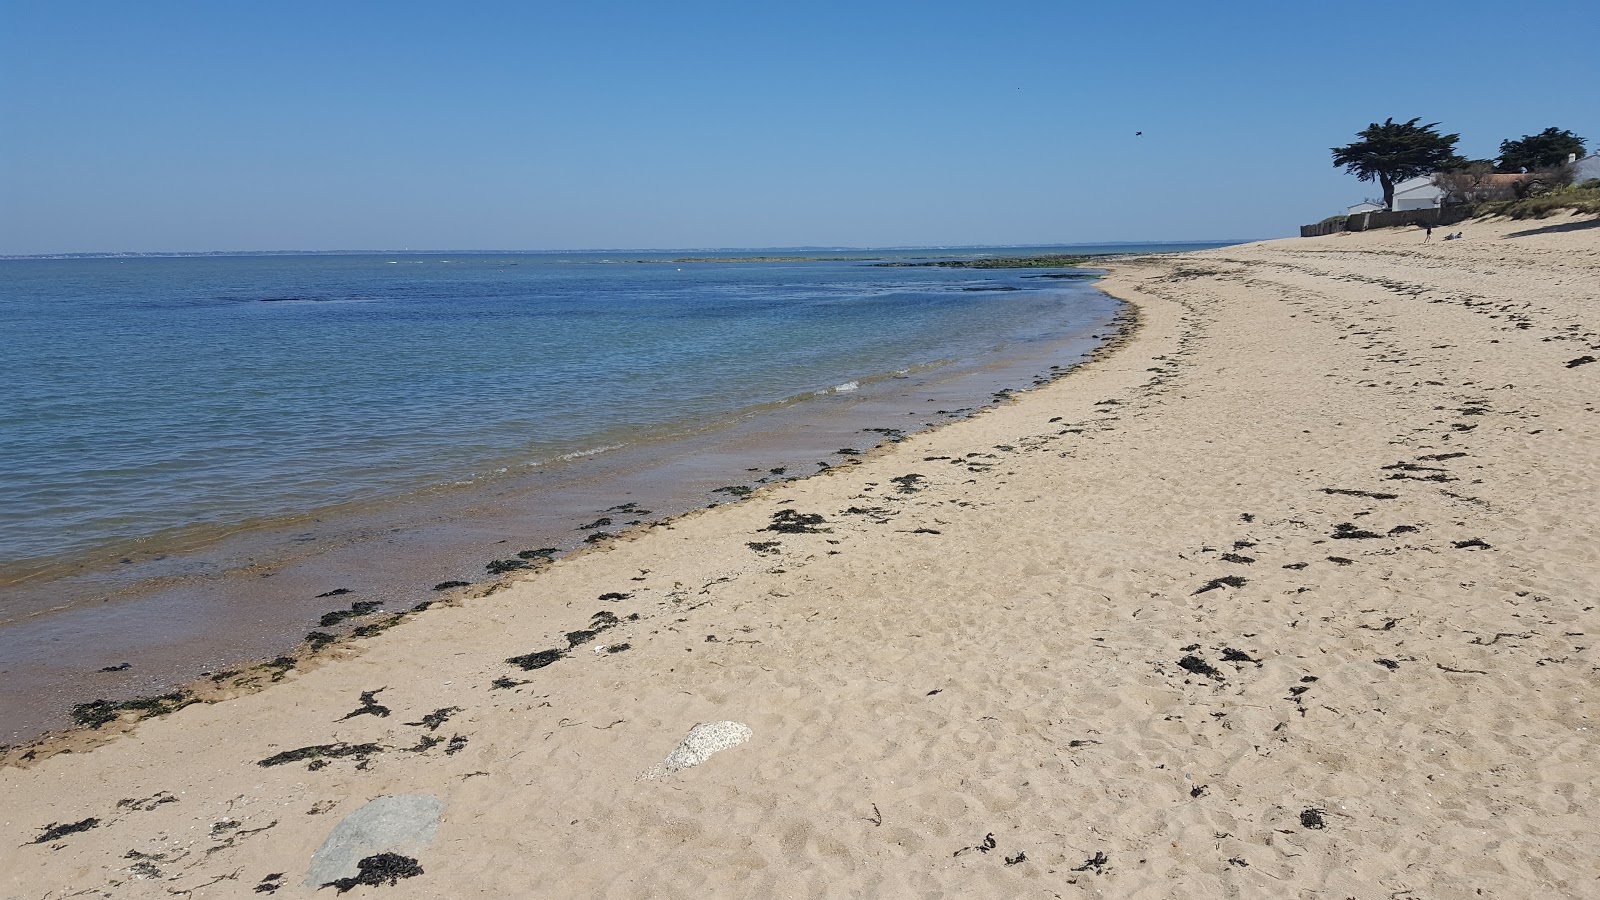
845	388
580	454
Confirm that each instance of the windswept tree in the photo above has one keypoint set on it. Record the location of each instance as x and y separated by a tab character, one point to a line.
1546	150
1392	152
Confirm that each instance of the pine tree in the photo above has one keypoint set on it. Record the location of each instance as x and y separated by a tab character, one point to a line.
1392	152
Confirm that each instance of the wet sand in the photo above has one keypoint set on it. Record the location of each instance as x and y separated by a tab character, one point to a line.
1293	594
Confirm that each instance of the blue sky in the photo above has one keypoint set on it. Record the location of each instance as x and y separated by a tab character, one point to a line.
227	126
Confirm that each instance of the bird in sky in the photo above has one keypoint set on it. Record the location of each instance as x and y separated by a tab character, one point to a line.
1138	134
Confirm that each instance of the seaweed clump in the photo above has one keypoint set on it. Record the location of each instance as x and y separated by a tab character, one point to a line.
433	720
369	706
788	521
98	712
54	831
527	662
356	610
1225	581
383	868
1199	666
909	483
320	753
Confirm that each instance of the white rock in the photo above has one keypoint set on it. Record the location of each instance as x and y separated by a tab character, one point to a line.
703	741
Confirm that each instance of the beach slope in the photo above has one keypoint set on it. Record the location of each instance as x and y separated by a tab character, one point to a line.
1291	594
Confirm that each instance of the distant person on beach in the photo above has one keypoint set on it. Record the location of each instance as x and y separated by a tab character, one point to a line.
1429	233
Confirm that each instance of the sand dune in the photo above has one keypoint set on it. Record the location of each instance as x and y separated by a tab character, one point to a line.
1291	595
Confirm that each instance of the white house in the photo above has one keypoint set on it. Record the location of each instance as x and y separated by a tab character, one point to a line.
1417	193
1586	168
1365	206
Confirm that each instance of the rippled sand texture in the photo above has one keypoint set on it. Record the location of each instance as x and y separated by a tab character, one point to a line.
1291	596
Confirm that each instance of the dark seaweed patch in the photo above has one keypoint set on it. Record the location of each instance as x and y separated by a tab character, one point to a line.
1022	856
1311	817
320	753
1471	544
618	648
1341	561
1436	457
1231	655
438	717
1296	566
909	484
381	625
575	638
503	683
1404	529
502	566
1236	558
450	585
1199	666
456	745
98	712
1370	495
1224	581
384	868
319	639
614	596
597	537
734	490
1387	664
765	547
1097	862
1580	361
54	831
120	667
369	706
530	661
1347	531
787	521
336	592
357	609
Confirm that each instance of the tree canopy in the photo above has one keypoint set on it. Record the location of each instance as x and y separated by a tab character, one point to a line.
1545	150
1392	152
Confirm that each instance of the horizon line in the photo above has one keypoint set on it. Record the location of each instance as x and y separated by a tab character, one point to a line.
85	254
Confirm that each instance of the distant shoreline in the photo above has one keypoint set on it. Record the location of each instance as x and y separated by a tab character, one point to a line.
810	252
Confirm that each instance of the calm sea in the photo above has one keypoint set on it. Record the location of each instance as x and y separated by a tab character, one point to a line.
195	452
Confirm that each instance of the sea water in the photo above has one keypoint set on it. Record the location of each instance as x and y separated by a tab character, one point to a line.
187	442
163	396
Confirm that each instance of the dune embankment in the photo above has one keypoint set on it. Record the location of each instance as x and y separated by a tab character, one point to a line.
1293	594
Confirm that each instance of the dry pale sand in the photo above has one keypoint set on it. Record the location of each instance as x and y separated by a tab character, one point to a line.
984	646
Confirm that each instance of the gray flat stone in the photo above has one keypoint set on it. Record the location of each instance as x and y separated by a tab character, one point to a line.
399	823
703	740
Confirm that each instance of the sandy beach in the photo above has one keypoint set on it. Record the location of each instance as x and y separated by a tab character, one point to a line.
1290	593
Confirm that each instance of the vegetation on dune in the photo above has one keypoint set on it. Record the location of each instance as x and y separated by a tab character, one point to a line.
1582	198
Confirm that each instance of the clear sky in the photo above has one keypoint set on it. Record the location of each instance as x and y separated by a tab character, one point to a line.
534	125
